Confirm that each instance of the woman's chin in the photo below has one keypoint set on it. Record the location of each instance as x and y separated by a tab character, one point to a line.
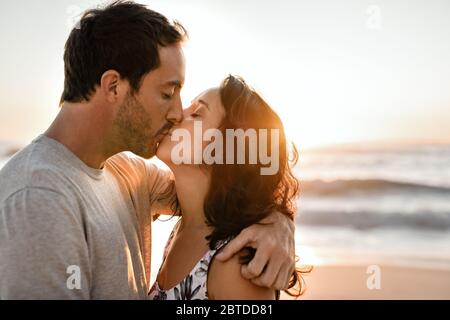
163	152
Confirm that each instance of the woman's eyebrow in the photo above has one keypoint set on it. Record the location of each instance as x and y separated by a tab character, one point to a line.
204	103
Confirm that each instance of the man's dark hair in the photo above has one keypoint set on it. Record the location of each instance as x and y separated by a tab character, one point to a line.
123	36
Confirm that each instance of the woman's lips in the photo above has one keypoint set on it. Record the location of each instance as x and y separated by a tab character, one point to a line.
162	135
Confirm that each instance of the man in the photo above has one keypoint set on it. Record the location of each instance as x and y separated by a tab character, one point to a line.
75	210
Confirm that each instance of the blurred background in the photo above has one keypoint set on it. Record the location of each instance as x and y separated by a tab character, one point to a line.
363	88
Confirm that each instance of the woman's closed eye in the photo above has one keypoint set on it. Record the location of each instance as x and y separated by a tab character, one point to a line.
197	112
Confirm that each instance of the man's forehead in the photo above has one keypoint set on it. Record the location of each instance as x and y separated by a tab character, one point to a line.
169	73
172	57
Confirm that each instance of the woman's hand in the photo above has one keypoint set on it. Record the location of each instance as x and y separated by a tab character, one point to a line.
274	261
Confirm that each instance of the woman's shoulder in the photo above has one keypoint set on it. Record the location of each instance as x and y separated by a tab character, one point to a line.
225	282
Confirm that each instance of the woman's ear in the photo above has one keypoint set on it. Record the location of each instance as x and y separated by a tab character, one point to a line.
112	86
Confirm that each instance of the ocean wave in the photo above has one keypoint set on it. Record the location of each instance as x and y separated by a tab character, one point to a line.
342	187
439	221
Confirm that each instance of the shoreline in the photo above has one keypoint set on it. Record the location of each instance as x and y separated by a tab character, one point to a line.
339	282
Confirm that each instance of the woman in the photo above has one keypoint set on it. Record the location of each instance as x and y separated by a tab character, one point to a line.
224	199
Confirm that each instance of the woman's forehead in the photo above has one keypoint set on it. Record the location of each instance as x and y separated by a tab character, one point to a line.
210	96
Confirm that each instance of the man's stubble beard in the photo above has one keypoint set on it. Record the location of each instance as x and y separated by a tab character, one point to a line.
134	125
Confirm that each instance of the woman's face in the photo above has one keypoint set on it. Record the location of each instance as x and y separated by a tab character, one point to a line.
207	108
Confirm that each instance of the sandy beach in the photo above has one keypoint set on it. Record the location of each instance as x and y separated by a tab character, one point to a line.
328	281
350	282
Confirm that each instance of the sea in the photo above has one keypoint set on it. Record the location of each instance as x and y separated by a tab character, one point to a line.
366	204
375	204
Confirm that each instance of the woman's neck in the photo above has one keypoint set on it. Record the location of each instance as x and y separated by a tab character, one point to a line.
192	184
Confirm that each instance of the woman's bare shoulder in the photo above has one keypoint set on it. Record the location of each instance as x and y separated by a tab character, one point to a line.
225	282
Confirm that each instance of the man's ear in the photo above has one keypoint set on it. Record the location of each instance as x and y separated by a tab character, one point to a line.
112	86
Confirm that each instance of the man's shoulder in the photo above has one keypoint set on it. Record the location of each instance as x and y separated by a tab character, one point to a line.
31	168
131	165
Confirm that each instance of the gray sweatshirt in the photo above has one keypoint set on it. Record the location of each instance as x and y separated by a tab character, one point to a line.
68	231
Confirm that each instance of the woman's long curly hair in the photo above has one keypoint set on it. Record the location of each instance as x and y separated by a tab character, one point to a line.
239	195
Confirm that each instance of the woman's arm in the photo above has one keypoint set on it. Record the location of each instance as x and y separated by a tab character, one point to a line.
225	282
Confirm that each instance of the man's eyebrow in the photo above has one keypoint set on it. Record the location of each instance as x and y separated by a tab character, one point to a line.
174	83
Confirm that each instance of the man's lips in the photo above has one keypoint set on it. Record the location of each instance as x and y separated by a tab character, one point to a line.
165	130
161	133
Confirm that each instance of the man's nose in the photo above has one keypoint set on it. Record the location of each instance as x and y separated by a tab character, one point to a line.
175	114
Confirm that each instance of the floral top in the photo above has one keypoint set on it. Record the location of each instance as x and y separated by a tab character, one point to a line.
194	286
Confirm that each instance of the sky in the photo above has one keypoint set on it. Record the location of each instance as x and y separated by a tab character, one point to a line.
335	71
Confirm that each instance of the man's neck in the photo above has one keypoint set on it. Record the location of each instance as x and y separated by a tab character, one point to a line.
85	132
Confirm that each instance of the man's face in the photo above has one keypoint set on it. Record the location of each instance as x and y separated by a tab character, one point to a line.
146	117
